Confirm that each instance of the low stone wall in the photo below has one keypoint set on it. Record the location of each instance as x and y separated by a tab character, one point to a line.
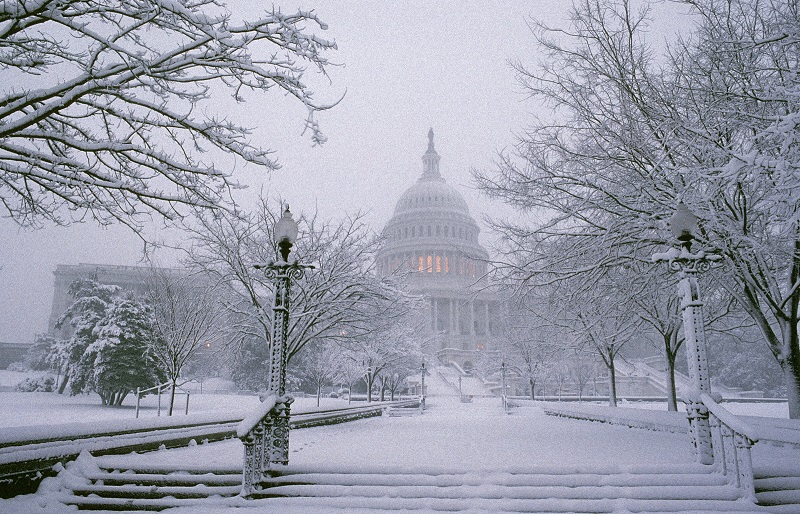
660	421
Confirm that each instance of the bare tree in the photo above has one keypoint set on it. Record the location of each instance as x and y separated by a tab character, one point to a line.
325	303
716	125
110	109
528	339
187	316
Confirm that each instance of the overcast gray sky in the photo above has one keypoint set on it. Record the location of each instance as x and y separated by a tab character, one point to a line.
405	66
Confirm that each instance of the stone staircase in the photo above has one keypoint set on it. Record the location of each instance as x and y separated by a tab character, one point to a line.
673	489
778	491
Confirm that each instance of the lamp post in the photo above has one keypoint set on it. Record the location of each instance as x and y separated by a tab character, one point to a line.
503	382
281	272
684	227
460	394
423	384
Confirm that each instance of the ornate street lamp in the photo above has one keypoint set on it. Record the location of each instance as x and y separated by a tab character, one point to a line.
423	385
684	227
273	447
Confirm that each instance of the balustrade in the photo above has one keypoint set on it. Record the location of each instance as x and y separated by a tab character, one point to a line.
731	440
264	435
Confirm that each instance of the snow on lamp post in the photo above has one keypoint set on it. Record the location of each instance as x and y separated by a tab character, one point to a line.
684	227
275	442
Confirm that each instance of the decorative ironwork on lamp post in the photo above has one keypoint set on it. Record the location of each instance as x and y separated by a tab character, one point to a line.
275	448
684	227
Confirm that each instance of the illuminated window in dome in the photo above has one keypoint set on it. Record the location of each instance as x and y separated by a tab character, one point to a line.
446	264
421	264
438	264
430	264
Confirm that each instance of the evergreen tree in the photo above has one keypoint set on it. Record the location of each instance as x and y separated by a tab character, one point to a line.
107	353
118	361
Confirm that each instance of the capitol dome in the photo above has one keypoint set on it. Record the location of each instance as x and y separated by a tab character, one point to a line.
433	241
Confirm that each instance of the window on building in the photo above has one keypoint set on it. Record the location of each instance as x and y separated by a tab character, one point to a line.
438	264
430	263
421	264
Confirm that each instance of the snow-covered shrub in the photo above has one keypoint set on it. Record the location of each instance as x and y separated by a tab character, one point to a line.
44	384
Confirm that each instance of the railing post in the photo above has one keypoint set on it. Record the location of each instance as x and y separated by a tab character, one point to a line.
744	465
159	400
187	404
701	432
729	451
717	444
137	402
248	477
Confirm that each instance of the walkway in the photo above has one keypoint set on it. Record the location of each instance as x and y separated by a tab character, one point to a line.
458	436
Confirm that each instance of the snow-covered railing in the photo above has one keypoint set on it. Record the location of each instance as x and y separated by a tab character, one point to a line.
731	441
259	432
732	438
166	386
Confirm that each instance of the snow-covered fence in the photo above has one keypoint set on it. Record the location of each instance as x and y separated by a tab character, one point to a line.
732	439
161	388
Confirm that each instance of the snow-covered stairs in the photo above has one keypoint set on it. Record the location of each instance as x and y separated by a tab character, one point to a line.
106	487
684	488
779	491
691	489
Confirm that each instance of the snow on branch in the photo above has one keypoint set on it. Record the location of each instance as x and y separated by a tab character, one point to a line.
106	106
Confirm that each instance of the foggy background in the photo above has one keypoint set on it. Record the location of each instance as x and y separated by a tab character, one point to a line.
405	66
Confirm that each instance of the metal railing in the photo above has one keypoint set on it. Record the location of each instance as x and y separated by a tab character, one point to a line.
258	432
732	439
161	388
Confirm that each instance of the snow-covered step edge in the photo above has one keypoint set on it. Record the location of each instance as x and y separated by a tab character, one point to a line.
147	491
786	497
500	492
516	505
159	479
777	483
425	504
505	479
577	469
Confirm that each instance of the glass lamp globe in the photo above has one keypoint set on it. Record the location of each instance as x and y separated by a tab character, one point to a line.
683	224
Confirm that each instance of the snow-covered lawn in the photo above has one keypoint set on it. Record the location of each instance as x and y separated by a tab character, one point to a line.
25	409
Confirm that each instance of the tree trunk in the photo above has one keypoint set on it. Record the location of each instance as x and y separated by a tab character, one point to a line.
533	385
319	392
349	393
64	381
791	373
612	382
171	397
369	388
672	396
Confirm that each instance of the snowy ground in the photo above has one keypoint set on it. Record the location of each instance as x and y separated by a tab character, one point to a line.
457	436
450	435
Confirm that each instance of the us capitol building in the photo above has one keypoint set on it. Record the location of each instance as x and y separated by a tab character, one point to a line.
433	239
